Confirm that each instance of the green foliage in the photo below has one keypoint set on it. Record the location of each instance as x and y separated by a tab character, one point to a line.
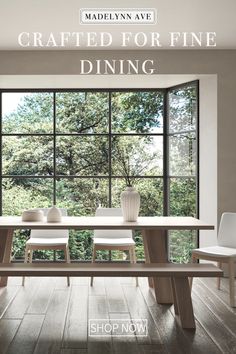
27	155
75	155
181	244
136	156
183	197
34	114
138	112
183	108
82	112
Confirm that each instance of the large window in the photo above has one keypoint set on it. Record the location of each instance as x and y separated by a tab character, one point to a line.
79	148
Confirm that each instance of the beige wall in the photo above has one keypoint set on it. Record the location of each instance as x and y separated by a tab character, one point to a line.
220	62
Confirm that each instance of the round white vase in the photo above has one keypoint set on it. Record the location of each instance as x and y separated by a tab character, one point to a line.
130	204
54	214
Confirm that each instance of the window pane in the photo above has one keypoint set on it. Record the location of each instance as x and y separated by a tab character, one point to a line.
137	112
82	112
82	155
181	244
151	194
183	108
182	154
137	156
82	196
20	194
183	196
27	155
27	112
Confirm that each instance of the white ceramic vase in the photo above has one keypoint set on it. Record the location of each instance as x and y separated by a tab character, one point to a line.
130	204
54	214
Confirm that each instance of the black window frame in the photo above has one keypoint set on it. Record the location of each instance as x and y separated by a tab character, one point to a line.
165	135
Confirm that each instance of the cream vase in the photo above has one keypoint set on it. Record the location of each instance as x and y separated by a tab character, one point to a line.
130	204
54	214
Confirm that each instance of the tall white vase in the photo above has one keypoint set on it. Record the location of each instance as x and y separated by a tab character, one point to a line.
54	214
130	204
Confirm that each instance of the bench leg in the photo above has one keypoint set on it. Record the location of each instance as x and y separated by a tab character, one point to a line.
6	237
184	302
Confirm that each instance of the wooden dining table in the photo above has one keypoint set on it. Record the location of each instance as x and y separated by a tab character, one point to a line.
154	232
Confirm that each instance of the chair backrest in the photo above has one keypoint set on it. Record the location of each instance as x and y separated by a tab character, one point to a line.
50	233
227	230
111	233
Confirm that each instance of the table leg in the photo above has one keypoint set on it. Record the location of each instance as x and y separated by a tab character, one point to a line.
155	244
6	237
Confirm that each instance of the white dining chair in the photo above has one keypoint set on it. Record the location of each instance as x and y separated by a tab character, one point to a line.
48	240
223	252
120	240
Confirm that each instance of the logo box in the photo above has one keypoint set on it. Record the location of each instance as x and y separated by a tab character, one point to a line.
112	16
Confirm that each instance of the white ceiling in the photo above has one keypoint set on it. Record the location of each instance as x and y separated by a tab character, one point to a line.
55	16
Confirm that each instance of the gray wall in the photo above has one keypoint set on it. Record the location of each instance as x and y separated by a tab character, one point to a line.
220	62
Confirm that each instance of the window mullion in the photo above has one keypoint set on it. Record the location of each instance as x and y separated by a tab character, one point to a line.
54	148
165	156
109	152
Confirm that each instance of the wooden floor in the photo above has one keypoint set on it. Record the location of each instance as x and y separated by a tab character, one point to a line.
46	316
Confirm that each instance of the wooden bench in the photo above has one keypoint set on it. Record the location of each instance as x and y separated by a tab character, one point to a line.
178	273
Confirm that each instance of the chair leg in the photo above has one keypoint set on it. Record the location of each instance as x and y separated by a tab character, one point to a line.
93	261
135	261
67	257
132	257
231	282
31	256
219	265
25	261
28	258
194	260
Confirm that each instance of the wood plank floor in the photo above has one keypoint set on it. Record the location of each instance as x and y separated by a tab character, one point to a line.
46	316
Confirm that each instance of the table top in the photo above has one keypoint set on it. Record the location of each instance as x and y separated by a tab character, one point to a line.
116	222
